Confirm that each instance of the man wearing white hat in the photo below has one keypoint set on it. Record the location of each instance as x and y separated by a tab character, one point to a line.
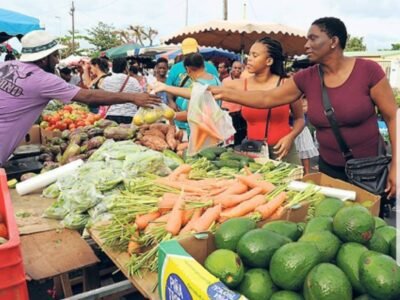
27	85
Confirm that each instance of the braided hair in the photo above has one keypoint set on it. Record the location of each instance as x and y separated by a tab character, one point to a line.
275	51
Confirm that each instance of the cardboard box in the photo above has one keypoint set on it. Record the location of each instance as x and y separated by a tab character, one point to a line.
182	275
32	137
361	195
48	134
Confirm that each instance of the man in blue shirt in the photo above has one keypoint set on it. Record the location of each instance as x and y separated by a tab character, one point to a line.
178	76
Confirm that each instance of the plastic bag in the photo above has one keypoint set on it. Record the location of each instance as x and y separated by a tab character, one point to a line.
152	115
209	124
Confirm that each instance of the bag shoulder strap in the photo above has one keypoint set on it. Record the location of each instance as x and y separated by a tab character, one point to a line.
330	114
124	84
185	79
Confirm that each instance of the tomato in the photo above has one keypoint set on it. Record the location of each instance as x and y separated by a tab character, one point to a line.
87	123
80	123
51	128
68	108
97	117
46	118
71	126
67	121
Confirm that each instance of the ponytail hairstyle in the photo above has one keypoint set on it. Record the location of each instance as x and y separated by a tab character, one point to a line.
275	51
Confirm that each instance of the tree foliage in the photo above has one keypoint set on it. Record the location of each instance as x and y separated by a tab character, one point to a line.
138	34
355	44
103	37
396	46
67	42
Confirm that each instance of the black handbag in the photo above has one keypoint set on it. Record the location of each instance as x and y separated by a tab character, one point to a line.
369	173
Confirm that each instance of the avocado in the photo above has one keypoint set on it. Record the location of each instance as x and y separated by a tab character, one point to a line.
387	232
291	263
286	295
380	275
328	207
229	233
379	222
257	246
327	282
257	284
347	260
318	224
226	265
354	224
327	243
378	243
285	228
393	248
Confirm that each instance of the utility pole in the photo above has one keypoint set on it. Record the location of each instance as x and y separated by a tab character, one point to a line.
225	10
244	9
72	13
187	13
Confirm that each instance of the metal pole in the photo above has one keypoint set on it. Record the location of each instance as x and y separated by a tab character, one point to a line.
72	13
244	9
187	13
225	10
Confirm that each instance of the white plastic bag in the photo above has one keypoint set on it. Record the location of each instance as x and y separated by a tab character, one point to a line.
209	124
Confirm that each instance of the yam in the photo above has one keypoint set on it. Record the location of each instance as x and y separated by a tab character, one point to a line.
155	132
182	146
179	135
170	137
154	142
160	126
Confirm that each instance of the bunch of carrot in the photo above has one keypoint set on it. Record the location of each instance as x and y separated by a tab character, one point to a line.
191	206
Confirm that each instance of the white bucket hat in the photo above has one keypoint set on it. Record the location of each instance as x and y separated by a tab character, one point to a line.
38	44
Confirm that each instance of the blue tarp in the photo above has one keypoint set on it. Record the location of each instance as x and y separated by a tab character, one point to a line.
14	23
207	52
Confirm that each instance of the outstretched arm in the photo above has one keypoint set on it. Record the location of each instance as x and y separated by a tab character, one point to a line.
280	95
102	97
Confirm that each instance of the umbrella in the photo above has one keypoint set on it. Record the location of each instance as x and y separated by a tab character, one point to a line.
122	51
16	24
239	36
207	52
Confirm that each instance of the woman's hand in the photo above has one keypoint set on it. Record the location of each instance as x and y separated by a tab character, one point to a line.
158	87
283	146
218	92
391	182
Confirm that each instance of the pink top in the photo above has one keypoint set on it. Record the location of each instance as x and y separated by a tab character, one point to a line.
354	110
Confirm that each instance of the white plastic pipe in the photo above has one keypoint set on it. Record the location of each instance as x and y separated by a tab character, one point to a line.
327	191
44	179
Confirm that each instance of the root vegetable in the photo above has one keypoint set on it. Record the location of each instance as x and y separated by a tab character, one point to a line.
155	132
154	142
170	137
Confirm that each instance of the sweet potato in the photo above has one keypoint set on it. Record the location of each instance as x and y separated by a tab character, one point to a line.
182	146
154	142
119	133
160	126
95	142
179	135
155	132
170	137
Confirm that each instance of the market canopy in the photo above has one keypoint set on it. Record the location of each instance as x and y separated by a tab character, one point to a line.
16	24
121	51
239	36
207	53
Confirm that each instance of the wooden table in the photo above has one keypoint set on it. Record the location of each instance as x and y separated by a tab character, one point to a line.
146	285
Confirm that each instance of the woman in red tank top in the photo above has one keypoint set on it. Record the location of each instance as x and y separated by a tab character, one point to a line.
265	64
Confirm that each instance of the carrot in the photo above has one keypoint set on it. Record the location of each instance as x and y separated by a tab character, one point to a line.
187	215
167	200
179	185
199	140
142	221
233	200
209	122
251	182
175	220
208	218
133	244
247	170
157	222
221	218
182	169
267	209
277	214
209	129
189	225
245	207
236	188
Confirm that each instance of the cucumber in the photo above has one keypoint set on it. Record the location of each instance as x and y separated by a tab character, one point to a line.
208	153
217	150
233	164
235	156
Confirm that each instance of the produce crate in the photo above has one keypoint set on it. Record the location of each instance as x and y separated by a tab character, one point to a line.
182	275
48	135
33	137
361	195
12	274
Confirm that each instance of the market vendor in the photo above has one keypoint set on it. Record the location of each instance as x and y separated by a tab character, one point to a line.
355	87
26	86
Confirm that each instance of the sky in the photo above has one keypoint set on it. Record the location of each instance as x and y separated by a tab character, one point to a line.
378	22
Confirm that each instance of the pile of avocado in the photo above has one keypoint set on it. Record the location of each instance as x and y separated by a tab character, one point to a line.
342	253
